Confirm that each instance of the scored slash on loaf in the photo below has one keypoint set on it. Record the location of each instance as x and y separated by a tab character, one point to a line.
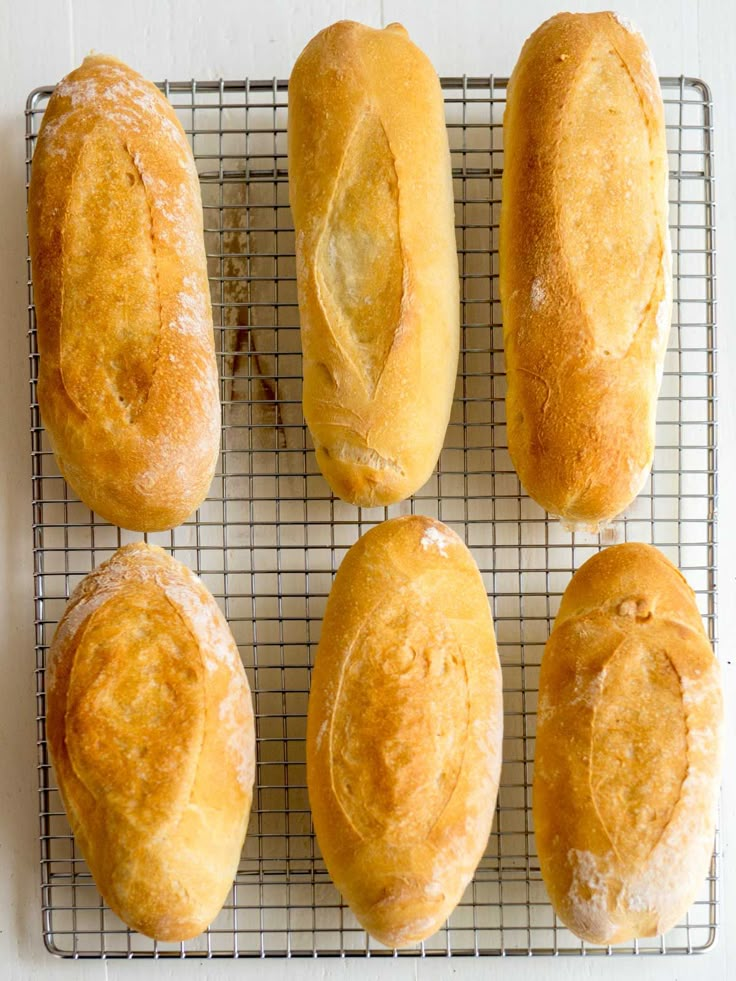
128	384
370	187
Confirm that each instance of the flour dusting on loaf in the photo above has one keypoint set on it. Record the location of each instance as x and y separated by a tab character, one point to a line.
627	24
438	539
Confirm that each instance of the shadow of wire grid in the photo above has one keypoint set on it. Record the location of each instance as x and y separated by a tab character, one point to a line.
270	536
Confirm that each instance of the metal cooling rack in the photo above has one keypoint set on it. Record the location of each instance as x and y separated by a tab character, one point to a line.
270	536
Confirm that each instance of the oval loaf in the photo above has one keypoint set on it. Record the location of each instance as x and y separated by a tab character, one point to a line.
128	385
584	265
151	733
404	728
370	187
627	749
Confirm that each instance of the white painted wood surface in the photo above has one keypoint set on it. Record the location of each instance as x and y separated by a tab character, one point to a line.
41	40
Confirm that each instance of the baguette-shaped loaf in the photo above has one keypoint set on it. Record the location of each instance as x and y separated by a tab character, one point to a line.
371	193
628	748
127	386
585	265
150	728
404	728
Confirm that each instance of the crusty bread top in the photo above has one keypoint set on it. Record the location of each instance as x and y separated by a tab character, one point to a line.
370	188
128	385
585	264
150	728
628	748
631	569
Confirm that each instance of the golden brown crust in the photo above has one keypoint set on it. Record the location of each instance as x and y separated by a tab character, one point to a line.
128	386
585	265
371	193
627	749
404	728
151	734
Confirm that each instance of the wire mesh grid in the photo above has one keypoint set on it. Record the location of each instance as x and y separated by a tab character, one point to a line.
270	536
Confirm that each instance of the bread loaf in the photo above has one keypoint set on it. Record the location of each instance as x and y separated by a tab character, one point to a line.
584	264
371	193
128	385
404	728
627	748
151	734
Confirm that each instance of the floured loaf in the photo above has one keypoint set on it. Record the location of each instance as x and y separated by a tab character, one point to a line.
150	729
628	748
128	384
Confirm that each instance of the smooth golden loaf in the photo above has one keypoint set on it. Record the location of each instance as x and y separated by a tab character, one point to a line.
128	384
151	733
370	187
404	728
584	265
628	749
